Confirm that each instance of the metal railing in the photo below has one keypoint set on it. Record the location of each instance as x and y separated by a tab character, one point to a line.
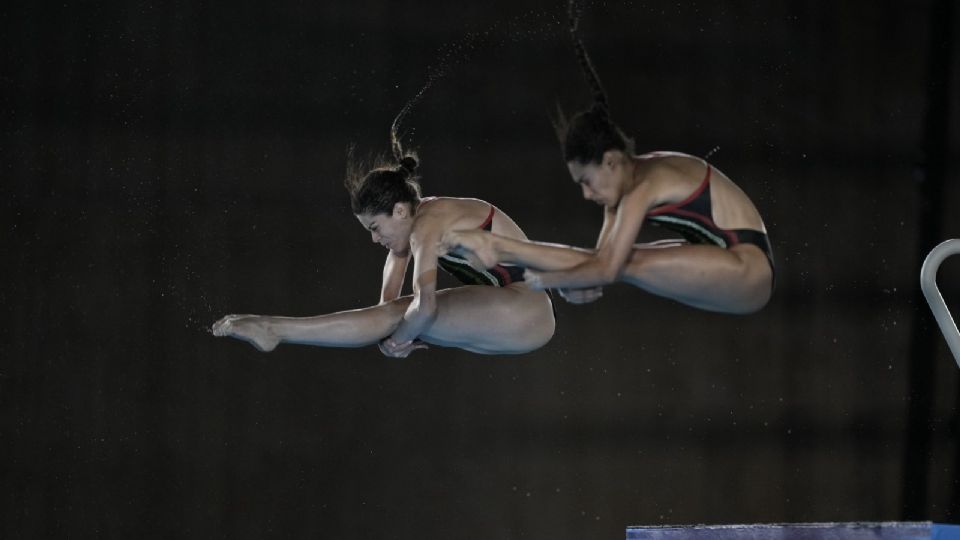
928	283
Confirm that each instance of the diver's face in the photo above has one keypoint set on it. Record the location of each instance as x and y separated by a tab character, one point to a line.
391	231
600	182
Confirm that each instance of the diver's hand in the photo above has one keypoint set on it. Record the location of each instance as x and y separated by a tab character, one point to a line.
534	280
581	296
391	348
476	246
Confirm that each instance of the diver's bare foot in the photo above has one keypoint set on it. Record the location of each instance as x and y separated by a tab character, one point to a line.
477	247
253	329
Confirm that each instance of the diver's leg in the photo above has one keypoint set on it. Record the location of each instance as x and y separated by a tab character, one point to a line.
735	280
353	328
492	320
478	318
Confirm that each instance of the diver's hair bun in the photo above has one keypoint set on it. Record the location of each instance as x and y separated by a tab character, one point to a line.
409	164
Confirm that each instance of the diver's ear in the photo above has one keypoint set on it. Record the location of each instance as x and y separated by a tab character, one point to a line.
401	210
613	159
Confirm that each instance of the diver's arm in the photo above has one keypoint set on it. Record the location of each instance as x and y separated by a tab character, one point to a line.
609	217
607	262
394	272
423	309
586	295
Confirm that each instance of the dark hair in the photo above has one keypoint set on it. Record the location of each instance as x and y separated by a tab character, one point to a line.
588	134
378	189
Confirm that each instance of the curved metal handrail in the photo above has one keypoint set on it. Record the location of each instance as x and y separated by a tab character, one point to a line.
928	283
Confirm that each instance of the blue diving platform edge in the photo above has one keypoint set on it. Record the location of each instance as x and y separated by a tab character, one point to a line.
878	530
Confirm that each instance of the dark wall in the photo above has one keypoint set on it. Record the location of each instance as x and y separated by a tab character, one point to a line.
165	164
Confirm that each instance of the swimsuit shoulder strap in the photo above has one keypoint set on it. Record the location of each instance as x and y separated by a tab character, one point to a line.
488	223
698	201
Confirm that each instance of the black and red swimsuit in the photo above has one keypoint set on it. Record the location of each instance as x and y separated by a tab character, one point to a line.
693	219
500	275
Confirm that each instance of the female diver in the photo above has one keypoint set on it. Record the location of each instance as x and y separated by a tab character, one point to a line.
724	264
494	312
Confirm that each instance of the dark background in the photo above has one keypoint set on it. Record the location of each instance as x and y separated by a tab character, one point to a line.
164	164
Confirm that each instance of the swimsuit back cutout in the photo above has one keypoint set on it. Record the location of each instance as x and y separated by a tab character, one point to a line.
693	219
500	275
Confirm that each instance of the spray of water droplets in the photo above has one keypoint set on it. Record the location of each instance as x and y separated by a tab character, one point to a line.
531	25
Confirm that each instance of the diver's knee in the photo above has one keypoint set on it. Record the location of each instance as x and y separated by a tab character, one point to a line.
756	297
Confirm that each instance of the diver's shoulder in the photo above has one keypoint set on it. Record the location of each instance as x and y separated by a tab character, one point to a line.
452	205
